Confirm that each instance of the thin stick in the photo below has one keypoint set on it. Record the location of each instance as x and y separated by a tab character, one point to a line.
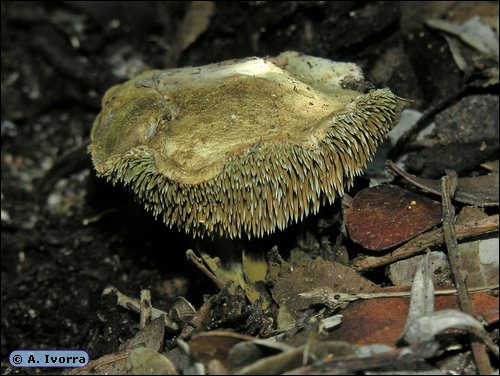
329	295
146	308
448	187
198	261
422	242
134	305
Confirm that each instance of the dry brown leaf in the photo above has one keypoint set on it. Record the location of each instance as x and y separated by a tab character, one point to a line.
387	316
146	361
313	275
150	336
384	216
214	344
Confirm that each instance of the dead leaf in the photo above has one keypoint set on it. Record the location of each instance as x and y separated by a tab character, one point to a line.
182	311
384	216
423	323
428	239
473	32
312	275
387	316
480	260
474	47
401	272
422	292
146	361
275	364
214	344
245	353
150	336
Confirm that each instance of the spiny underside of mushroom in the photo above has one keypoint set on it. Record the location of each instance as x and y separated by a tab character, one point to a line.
242	147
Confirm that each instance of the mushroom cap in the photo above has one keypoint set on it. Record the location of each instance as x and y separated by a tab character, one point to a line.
242	146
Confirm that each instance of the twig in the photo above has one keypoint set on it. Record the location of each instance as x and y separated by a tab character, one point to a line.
448	187
146	308
328	294
134	305
200	317
335	299
479	190
200	264
422	242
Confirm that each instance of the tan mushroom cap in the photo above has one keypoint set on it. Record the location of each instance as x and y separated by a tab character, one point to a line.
243	146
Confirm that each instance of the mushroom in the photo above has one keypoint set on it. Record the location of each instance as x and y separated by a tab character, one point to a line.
244	146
